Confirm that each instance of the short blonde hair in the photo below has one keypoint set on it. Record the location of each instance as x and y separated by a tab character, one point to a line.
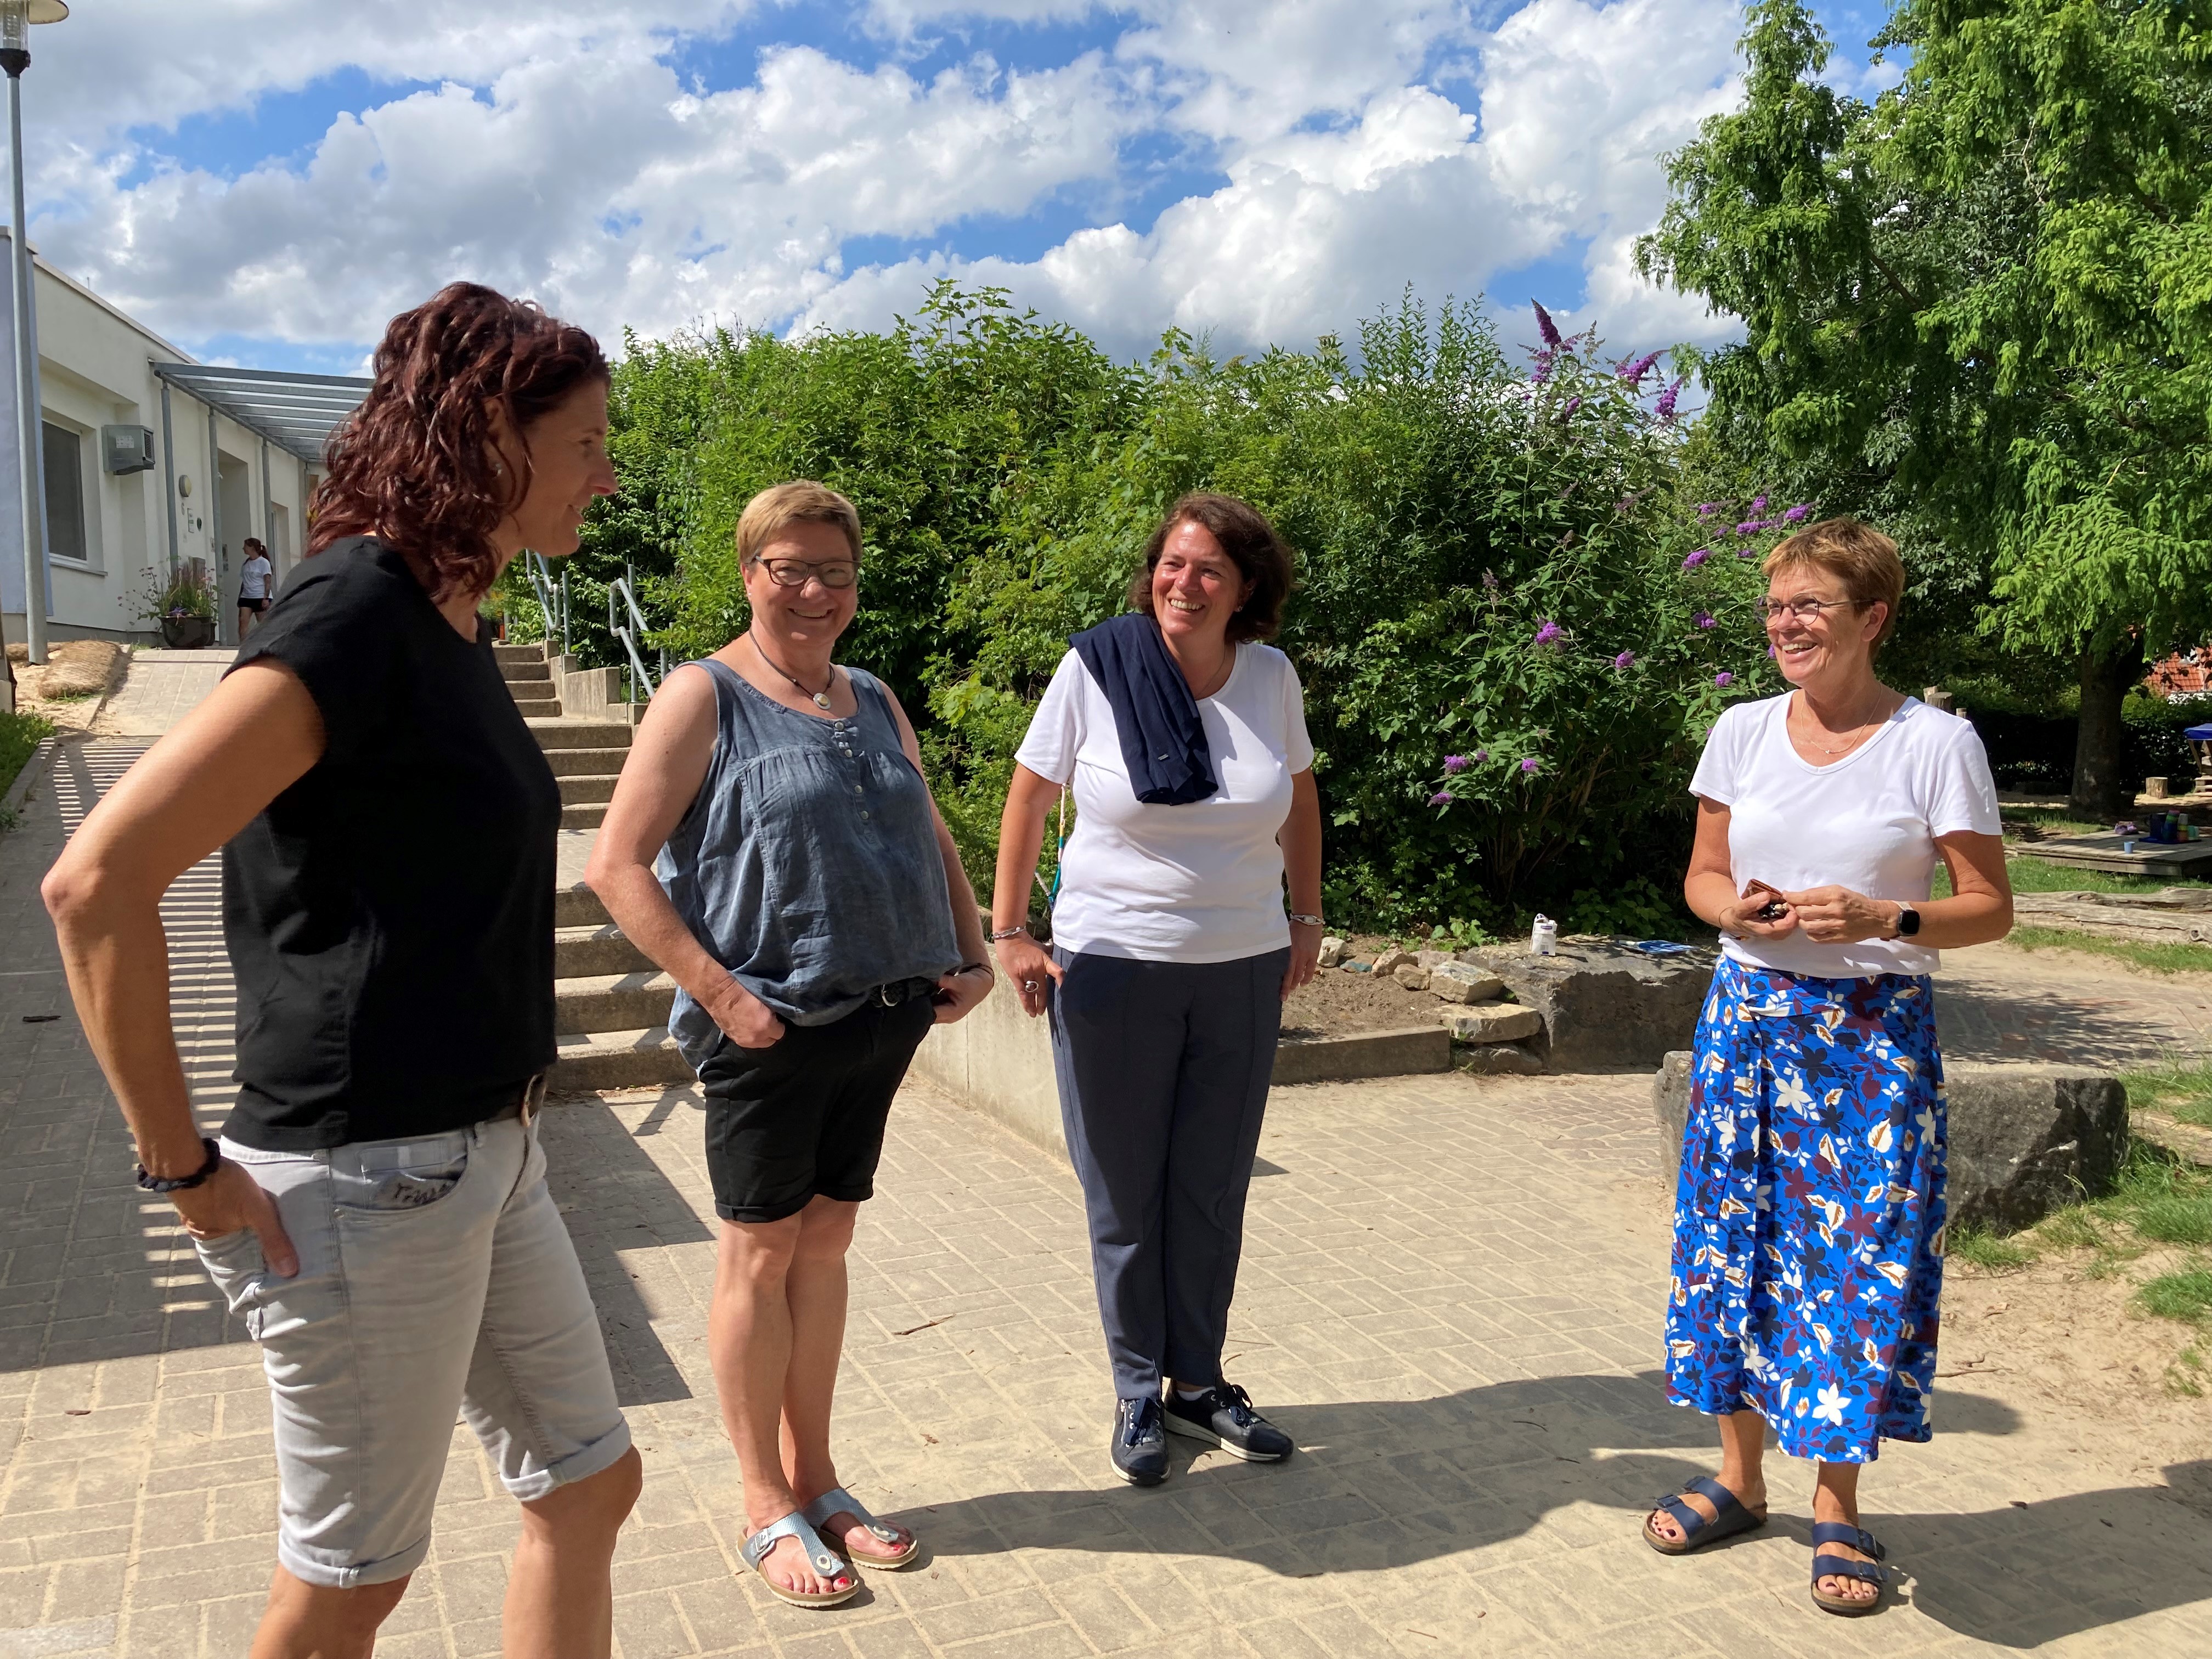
801	502
1857	554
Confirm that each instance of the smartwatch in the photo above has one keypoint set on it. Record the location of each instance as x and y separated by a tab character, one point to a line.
1908	921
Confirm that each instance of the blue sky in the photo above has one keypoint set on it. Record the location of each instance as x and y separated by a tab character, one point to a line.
265	181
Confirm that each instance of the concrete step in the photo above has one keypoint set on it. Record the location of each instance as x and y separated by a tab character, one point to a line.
529	669
539	709
584	816
585	762
578	907
507	654
611	1002
641	1058
580	734
585	791
596	950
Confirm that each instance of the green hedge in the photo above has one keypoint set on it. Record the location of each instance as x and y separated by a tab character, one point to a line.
20	734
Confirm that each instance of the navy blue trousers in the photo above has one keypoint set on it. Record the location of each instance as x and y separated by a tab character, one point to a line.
1163	1069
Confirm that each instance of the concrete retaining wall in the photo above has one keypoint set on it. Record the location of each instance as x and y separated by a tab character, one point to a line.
2024	1140
592	693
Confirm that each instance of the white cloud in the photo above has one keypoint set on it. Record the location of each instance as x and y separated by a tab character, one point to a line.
557	153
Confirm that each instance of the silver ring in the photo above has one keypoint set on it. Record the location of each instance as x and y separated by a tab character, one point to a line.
1028	985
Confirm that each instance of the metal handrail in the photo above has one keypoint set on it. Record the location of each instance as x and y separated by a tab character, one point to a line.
631	636
552	599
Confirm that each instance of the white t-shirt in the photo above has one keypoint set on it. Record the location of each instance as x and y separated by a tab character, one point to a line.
1868	822
253	578
1201	882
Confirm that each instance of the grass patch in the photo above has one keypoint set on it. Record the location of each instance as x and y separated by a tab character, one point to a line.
2185	1296
2181	1091
2186	1375
1994	1252
2053	820
2153	958
19	735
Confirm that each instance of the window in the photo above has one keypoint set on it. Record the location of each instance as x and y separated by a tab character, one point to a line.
65	537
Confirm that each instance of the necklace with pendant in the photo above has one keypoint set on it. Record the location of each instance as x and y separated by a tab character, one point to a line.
821	699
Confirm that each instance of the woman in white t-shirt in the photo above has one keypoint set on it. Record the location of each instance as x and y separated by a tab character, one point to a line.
254	578
1808	1214
1183	740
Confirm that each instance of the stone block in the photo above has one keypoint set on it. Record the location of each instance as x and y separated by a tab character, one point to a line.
1434	958
1390	960
1332	952
1499	1059
1362	1054
1412	975
2024	1139
1455	982
1605	1007
1492	1022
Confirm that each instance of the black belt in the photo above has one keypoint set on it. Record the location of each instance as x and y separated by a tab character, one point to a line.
527	1104
901	990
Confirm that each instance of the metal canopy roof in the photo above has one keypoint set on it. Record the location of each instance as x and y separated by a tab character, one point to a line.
296	412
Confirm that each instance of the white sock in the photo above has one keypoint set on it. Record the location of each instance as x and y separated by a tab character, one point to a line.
1181	1393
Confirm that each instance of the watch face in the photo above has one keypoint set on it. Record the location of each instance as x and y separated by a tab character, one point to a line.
1908	921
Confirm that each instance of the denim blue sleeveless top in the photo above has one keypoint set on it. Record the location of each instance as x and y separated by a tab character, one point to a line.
808	865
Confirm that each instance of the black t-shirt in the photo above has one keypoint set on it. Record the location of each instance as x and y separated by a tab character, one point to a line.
390	916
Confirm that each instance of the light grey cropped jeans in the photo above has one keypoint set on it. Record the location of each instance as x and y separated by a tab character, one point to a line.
436	1277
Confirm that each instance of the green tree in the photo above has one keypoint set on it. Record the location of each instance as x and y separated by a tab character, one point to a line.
1977	308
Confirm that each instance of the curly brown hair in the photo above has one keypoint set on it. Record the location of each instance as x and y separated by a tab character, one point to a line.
415	462
1261	556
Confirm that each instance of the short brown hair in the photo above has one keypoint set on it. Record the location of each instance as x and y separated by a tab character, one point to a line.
1857	554
415	461
799	501
1261	556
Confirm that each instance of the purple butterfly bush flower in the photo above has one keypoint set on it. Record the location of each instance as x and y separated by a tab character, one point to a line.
1703	620
1706	509
1489	579
1454	764
1530	765
1723	679
1633	372
1542	371
1757	505
1548	633
1664	409
1573	403
1797	514
1750	527
1545	327
1442	798
1479	756
1623	659
1697	558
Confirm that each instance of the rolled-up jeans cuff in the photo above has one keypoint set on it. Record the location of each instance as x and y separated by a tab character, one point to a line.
600	1455
323	1575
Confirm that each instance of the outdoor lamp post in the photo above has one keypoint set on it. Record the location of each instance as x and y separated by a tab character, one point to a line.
17	17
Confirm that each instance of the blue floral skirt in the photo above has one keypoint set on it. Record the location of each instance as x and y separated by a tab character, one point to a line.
1808	1214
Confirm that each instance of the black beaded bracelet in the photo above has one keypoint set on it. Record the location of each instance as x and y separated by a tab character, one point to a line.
153	1183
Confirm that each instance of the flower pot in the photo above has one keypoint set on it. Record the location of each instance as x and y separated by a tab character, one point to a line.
187	633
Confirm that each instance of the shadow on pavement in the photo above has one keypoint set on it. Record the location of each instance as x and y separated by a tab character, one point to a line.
1385	1483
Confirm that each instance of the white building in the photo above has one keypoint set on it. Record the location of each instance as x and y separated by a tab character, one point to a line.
151	460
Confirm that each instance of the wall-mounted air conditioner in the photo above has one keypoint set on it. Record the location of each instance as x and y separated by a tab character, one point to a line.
127	448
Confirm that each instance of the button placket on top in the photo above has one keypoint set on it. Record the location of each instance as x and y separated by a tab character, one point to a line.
842	732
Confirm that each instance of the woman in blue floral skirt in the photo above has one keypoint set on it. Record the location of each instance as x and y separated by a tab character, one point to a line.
1808	1215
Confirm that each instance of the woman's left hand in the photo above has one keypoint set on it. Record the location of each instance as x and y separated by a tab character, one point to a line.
960	991
1836	915
1305	956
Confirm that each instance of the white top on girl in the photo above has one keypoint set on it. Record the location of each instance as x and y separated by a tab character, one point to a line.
1201	882
1868	822
253	578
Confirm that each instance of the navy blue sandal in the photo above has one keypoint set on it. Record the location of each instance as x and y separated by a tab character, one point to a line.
1729	1517
1842	1566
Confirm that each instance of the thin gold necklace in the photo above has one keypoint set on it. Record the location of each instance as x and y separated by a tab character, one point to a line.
821	698
1859	734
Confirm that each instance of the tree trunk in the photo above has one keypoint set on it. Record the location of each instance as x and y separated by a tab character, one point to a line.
2102	793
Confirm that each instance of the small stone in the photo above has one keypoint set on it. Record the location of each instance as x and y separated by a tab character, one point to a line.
1455	982
1390	960
1499	1059
1493	1021
1412	975
1355	966
1332	952
1433	959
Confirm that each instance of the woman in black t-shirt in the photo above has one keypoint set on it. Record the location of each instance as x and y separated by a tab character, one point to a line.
377	1210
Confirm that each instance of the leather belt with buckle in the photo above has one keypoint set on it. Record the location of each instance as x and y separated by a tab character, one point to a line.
901	990
531	1102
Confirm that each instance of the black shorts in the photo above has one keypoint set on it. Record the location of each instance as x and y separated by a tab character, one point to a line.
806	1114
261	603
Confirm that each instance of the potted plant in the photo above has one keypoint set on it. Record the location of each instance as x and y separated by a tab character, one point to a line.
182	602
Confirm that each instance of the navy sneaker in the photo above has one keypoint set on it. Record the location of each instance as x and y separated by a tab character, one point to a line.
1224	1415
1140	1450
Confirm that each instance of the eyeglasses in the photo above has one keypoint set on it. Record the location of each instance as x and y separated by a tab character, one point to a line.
793	572
1804	610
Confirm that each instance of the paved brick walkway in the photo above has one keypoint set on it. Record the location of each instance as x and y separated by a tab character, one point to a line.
1449	1296
157	689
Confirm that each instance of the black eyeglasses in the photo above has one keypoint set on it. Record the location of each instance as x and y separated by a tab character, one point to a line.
793	572
1804	610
